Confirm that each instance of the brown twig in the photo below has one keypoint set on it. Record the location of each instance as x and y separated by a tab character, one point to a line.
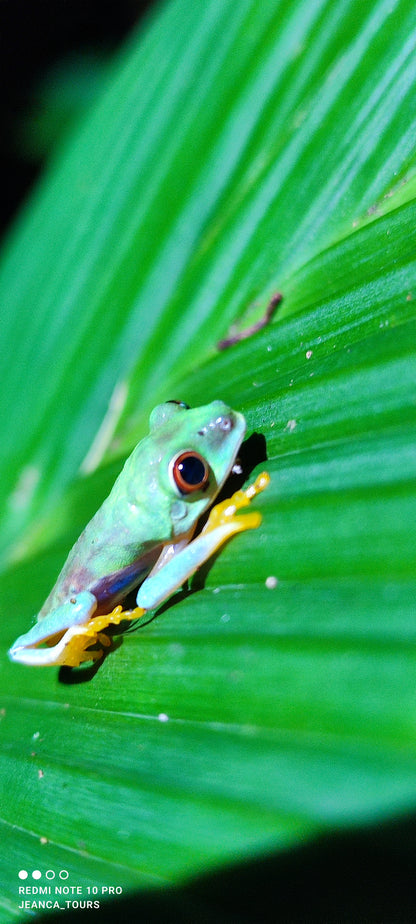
249	331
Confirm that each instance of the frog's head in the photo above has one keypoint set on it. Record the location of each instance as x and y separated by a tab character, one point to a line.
193	451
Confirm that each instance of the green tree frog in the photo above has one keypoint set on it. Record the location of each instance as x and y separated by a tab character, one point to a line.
142	534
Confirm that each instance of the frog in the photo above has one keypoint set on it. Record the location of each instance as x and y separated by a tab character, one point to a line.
143	535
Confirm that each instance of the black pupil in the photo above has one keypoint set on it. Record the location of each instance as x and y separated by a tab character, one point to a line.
192	470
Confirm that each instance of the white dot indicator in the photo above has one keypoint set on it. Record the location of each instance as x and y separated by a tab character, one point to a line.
23	874
36	874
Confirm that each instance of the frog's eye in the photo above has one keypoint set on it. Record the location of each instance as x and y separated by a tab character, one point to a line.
189	471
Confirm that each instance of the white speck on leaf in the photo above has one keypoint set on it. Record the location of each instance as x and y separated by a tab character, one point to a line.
291	425
271	582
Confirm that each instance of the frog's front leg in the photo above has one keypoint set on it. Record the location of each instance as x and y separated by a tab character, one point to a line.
60	631
170	573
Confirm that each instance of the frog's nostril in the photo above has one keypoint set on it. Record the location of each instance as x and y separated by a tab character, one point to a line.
225	423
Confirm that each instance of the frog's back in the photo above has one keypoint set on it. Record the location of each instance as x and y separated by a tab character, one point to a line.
108	559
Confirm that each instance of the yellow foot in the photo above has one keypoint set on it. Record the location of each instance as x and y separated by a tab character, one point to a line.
224	513
98	623
77	642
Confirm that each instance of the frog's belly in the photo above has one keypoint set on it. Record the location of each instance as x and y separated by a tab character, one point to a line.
113	588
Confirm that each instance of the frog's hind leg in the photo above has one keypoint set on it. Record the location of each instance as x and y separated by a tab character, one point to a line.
77	645
70	635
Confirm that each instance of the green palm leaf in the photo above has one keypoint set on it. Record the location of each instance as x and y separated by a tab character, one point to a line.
239	149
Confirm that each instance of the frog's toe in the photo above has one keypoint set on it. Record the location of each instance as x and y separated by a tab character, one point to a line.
82	656
77	645
224	513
